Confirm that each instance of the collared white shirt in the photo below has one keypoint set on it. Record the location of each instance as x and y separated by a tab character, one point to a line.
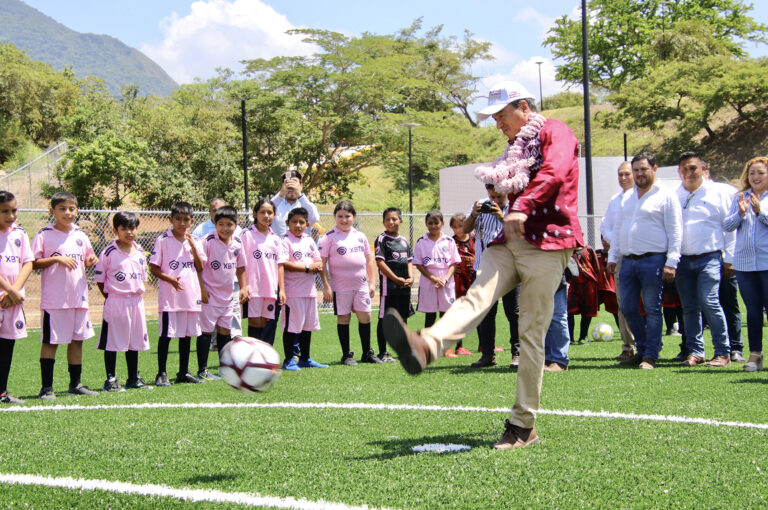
487	228
611	215
728	191
651	224
283	207
207	227
704	211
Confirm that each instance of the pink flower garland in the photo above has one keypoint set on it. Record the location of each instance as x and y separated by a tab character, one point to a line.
511	172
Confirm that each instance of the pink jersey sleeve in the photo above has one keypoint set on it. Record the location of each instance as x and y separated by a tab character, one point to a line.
26	249
156	257
101	267
200	251
454	256
418	252
37	245
324	246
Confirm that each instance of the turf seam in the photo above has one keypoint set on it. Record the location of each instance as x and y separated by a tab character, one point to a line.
389	407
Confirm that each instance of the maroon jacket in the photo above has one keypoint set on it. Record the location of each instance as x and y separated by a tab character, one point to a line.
551	198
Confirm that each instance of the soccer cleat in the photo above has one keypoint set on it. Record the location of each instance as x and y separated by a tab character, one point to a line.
207	376
449	353
46	393
80	389
291	365
386	357
349	359
463	351
310	363
187	378
370	357
162	379
137	384
498	349
5	398
111	385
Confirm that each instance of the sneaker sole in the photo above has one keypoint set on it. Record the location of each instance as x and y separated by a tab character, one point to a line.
394	331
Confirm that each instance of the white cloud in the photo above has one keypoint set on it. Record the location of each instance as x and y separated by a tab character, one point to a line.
531	14
220	33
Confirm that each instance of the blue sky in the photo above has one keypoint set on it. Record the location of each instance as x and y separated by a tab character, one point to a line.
191	38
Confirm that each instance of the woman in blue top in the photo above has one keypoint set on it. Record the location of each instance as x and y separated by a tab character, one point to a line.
748	217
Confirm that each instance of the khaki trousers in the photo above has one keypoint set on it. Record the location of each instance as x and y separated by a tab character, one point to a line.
502	268
627	338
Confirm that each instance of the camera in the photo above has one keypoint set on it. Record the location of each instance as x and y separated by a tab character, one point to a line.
486	208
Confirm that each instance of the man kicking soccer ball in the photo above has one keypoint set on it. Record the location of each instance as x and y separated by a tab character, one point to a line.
540	173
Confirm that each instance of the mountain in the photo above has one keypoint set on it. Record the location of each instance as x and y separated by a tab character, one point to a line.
101	56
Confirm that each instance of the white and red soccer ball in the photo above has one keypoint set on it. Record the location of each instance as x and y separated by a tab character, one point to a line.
249	365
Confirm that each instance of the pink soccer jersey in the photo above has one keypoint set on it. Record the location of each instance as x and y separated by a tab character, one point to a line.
219	271
63	288
346	253
436	256
263	253
175	259
123	274
301	250
14	252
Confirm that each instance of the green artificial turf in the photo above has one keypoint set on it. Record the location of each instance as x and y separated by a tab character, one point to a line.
364	456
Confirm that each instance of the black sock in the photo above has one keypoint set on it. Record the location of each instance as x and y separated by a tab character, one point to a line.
132	362
304	338
289	340
616	318
459	344
571	326
223	340
380	337
162	353
255	332
46	370
110	360
365	335
6	355
74	374
584	327
203	348
184	344
429	319
343	330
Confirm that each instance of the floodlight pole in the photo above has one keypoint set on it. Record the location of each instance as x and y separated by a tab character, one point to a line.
410	126
541	94
245	154
587	123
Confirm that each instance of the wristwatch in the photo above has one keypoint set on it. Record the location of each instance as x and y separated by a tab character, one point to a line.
306	267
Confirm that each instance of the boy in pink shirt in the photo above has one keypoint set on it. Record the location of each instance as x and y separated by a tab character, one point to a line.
15	267
435	256
352	284
300	318
63	251
120	275
224	262
176	259
264	252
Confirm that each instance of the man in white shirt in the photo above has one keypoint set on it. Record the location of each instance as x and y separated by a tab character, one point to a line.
704	209
647	237
606	232
290	197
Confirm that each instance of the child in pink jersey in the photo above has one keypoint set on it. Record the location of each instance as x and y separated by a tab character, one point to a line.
63	251
436	257
352	270
264	252
15	267
224	262
120	275
300	318
176	259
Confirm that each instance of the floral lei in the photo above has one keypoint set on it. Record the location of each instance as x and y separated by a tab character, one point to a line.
511	172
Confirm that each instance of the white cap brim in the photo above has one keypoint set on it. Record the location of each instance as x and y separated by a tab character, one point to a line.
490	110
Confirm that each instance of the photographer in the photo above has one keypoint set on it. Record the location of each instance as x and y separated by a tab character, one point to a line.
487	220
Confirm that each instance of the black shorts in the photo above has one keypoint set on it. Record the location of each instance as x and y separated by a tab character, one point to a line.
400	303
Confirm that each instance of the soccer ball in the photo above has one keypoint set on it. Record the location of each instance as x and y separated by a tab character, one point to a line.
602	332
249	365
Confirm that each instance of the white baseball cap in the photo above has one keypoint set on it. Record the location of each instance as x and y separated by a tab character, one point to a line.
501	95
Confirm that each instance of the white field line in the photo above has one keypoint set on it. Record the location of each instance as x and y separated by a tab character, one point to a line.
194	495
389	407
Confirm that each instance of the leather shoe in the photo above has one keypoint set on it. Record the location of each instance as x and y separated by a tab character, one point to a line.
555	367
692	361
625	355
648	364
410	346
516	437
719	361
634	360
484	361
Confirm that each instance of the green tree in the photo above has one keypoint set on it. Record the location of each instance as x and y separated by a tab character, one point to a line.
621	33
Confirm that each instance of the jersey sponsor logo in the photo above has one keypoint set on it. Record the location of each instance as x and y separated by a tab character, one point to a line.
257	254
298	255
55	254
17	242
174	264
426	260
341	250
215	264
395	255
120	276
19	324
14	259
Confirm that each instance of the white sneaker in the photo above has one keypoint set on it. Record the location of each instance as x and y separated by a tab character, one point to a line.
755	362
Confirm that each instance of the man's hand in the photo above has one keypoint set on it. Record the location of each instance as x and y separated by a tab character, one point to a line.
727	270
669	274
514	225
610	268
496	211
476	209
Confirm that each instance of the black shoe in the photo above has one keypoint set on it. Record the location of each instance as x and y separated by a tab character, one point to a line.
349	359
370	357
484	361
187	378
680	357
46	393
79	389
5	398
111	385
633	361
137	384
162	379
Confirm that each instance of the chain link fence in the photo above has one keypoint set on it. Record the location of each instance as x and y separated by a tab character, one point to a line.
97	224
25	181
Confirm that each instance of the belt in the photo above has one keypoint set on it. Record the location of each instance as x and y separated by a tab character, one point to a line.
701	254
643	255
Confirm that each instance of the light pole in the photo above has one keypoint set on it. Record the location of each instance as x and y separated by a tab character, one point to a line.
541	94
410	126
